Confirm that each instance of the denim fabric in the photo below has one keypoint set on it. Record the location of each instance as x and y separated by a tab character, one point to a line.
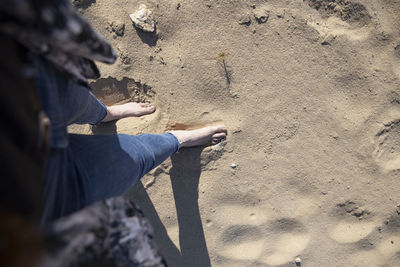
65	102
83	169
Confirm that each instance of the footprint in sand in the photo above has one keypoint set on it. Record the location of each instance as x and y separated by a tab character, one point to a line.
351	231
242	242
289	240
387	146
112	91
272	243
254	238
357	223
345	18
387	251
351	12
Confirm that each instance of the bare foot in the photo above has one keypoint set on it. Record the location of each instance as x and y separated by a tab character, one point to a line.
202	136
130	109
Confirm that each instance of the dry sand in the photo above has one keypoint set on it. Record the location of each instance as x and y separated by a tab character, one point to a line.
312	103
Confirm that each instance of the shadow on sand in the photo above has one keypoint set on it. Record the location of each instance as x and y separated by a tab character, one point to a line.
185	175
149	38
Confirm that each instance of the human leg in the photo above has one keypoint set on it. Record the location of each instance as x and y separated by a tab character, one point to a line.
130	109
202	136
97	167
111	164
67	102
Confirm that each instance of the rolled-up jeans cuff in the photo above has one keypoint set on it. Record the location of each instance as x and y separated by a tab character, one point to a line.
103	113
177	144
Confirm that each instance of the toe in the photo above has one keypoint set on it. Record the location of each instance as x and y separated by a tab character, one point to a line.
220	129
144	105
151	108
219	135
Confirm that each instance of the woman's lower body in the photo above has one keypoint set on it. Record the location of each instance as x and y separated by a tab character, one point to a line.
83	169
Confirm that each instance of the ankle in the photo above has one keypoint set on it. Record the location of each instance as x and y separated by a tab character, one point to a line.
111	115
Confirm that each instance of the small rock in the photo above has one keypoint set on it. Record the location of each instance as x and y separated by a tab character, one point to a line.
332	5
149	183
233	165
261	15
280	13
328	40
244	19
118	28
334	135
297	261
125	59
143	19
337	8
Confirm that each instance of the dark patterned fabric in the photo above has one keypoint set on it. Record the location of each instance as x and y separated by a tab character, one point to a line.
55	30
112	233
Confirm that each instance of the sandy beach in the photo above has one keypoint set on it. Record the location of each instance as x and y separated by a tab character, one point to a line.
310	93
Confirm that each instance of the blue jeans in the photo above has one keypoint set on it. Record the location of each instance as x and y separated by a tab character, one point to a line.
83	169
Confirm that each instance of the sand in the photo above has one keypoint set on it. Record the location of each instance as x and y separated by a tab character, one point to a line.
310	95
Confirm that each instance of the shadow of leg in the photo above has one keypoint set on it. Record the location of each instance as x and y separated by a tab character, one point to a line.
105	128
185	175
167	248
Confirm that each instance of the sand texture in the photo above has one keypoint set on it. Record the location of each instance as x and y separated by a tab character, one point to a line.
310	93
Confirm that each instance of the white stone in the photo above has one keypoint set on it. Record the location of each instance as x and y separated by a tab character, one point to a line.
233	165
297	260
143	19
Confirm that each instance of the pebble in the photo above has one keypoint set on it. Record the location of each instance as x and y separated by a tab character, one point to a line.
261	15
233	165
297	261
329	39
244	19
143	19
117	28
